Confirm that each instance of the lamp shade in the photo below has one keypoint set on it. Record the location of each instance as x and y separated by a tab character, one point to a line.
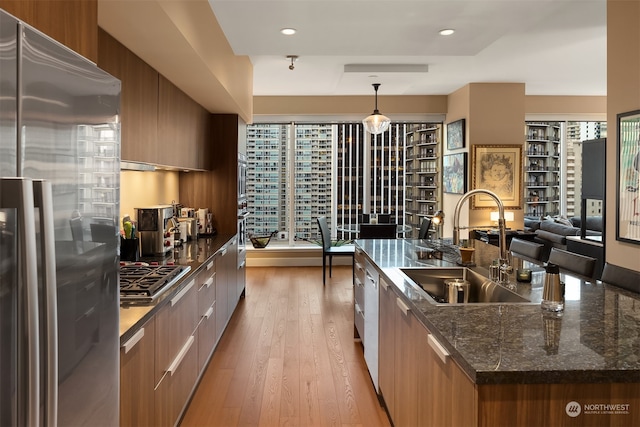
508	216
376	123
438	218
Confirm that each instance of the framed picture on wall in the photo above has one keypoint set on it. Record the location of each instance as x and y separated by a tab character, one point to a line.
497	168
628	178
455	135
454	173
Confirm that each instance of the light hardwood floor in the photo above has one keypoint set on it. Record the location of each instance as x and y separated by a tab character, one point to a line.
288	357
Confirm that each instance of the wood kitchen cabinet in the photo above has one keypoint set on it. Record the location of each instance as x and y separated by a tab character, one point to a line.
207	312
137	378
74	23
407	332
218	188
222	293
448	396
398	358
418	387
176	357
183	129
138	99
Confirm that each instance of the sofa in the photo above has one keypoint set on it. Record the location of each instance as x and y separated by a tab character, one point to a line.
552	232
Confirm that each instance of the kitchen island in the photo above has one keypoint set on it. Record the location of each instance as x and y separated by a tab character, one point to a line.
513	363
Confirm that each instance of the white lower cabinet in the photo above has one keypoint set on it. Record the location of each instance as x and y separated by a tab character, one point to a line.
370	341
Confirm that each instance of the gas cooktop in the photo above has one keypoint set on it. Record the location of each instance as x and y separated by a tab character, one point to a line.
144	283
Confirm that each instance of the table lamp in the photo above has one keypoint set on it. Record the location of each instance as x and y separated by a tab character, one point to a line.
438	220
508	217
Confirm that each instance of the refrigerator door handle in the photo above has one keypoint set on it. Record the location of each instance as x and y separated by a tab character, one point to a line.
17	193
43	200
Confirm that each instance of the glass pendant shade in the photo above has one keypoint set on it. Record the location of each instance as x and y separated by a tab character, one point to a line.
376	123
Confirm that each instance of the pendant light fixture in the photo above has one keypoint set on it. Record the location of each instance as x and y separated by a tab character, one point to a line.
376	123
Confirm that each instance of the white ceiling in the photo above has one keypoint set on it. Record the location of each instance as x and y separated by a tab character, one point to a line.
555	47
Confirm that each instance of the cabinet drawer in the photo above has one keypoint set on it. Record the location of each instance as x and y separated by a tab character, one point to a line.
175	323
136	378
206	336
358	292
173	392
358	318
207	288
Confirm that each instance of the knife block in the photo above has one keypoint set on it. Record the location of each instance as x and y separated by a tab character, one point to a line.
129	249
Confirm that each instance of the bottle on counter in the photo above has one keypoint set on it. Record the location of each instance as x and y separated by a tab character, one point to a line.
552	291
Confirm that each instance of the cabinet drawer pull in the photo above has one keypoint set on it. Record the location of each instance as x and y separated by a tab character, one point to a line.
209	282
359	267
442	353
182	293
359	310
223	252
131	342
402	306
183	351
371	279
208	313
384	284
210	266
359	283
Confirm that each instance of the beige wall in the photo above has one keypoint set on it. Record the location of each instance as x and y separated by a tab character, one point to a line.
623	94
144	189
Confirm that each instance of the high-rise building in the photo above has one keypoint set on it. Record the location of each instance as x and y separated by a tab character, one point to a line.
320	171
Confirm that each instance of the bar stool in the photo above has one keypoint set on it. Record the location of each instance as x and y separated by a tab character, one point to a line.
581	264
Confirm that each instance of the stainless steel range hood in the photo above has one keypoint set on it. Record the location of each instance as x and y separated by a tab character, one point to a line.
136	166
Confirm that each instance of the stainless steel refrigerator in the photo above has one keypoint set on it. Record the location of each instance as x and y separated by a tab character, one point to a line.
59	238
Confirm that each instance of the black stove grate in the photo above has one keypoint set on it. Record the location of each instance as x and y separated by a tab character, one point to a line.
146	282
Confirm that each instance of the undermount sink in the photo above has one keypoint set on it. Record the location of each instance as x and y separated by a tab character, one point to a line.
481	289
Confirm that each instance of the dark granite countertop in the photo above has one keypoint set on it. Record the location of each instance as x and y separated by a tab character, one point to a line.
596	340
195	254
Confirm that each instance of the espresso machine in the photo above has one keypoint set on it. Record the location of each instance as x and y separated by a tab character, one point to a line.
155	228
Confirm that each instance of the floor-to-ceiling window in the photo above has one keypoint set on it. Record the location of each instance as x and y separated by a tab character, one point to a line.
299	171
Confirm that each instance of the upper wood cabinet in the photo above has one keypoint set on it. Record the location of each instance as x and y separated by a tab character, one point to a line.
74	23
183	128
138	100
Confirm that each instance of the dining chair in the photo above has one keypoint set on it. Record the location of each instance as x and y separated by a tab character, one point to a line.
329	250
76	229
528	249
581	264
378	231
425	225
384	218
621	277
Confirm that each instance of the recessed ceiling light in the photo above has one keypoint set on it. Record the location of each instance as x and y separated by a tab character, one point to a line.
447	32
288	31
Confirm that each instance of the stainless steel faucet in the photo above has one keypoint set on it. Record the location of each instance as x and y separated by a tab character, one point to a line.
502	235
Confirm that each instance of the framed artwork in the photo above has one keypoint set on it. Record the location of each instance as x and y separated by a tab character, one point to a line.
454	173
628	178
455	135
497	168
